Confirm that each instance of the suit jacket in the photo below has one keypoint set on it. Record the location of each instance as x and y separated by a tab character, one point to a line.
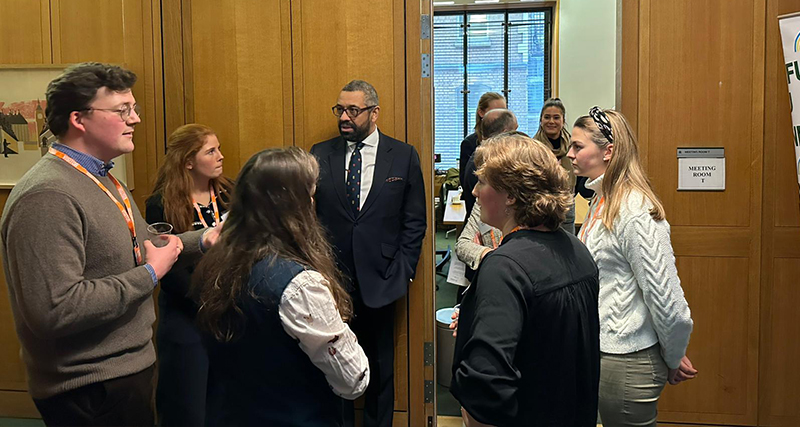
380	247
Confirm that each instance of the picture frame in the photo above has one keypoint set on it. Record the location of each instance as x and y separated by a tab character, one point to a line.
24	138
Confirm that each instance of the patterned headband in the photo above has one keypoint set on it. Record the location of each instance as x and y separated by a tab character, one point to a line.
601	120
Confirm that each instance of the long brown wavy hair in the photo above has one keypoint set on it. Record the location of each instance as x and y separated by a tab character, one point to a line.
624	173
174	183
272	214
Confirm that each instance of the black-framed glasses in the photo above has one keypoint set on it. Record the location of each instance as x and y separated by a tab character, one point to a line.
352	111
124	111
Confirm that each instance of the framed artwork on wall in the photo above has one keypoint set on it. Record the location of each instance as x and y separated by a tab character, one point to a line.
24	137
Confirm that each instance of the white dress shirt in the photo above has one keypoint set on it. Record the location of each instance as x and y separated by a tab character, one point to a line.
369	152
308	314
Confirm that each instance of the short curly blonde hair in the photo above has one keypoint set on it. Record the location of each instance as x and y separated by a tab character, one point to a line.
528	172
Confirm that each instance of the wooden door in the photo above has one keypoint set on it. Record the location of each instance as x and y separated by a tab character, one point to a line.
779	348
228	65
693	76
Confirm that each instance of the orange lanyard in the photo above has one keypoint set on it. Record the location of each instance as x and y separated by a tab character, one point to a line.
593	219
127	211
213	203
494	239
517	228
479	238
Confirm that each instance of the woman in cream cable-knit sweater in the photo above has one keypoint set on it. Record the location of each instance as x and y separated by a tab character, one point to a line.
645	321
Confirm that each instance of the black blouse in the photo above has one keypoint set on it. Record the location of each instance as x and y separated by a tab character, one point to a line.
528	346
176	283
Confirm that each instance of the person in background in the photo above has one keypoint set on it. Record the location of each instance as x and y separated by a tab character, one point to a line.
272	303
644	315
527	351
487	102
553	134
494	123
191	193
79	269
475	241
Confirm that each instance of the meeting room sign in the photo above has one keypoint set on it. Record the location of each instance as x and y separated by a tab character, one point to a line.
701	168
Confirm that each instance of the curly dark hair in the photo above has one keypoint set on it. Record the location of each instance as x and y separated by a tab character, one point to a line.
76	88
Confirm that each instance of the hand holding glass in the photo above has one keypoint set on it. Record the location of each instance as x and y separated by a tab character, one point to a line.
158	233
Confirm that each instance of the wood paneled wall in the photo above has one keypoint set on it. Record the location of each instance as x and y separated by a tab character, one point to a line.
332	46
711	74
228	65
779	394
266	75
33	49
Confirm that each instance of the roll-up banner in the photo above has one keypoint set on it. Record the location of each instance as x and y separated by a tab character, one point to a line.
790	35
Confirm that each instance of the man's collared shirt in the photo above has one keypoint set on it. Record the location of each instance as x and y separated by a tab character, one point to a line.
369	152
92	164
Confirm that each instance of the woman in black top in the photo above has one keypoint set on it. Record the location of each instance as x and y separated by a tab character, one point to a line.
488	101
553	134
190	193
528	348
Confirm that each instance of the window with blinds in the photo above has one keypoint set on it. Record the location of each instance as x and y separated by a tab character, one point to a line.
504	51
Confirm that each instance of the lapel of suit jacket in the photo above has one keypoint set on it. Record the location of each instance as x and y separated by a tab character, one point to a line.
383	162
336	163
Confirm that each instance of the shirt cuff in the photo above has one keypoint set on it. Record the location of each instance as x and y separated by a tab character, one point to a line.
152	272
202	247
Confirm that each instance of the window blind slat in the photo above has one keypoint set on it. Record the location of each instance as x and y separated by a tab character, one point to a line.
480	66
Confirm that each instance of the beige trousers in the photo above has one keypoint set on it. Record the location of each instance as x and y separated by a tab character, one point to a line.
630	385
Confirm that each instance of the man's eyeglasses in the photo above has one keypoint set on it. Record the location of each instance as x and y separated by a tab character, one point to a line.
124	111
352	111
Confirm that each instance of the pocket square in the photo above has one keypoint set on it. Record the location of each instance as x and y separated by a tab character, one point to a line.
394	178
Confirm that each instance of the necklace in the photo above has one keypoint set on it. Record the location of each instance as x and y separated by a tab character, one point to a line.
213	204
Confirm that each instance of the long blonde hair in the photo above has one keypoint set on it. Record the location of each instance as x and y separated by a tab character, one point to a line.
624	173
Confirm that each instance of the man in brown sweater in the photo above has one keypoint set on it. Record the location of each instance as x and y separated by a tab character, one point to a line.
80	273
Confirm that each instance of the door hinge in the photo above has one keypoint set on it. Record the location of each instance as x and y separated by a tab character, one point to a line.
426	65
425	27
428	349
429	387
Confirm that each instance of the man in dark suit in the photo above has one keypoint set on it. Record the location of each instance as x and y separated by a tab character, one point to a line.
371	199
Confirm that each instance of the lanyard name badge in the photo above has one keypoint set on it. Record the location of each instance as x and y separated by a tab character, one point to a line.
213	203
126	210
